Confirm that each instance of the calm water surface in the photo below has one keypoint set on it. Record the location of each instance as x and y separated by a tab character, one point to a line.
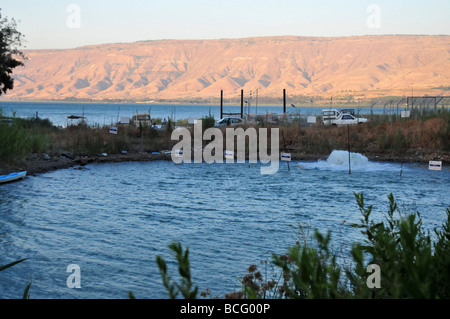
114	219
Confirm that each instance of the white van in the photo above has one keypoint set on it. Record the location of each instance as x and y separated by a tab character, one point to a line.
336	117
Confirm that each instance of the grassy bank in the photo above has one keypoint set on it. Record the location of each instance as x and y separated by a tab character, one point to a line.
418	139
413	140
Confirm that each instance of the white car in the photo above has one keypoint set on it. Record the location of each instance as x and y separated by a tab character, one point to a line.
228	121
335	117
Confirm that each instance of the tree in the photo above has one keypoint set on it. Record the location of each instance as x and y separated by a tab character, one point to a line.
10	56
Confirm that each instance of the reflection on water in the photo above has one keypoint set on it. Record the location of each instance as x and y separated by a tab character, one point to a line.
114	219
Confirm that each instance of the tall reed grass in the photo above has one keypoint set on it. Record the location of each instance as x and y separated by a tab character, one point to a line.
23	137
393	135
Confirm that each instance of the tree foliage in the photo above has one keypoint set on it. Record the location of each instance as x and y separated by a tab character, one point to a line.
10	56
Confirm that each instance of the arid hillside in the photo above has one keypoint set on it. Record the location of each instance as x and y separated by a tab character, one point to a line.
365	66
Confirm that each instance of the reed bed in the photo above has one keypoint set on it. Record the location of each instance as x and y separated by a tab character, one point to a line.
381	135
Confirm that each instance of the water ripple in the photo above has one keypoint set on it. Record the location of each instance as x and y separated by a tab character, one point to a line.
114	219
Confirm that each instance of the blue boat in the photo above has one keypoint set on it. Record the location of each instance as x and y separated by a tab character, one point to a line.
12	177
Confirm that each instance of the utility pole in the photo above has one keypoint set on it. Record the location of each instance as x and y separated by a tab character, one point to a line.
242	103
221	104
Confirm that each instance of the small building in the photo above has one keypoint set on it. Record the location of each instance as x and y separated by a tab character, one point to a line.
141	119
124	120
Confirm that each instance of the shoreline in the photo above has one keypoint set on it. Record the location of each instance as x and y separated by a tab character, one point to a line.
43	163
319	104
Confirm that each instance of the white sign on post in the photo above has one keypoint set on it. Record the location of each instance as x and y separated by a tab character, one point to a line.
286	157
229	155
311	119
113	130
435	165
178	153
405	114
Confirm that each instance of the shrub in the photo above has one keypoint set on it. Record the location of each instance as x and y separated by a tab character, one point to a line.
410	264
185	287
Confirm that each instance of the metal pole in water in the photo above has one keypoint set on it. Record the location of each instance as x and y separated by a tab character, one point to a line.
348	138
142	138
285	148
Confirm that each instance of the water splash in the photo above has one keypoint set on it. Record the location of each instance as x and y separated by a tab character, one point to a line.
340	158
338	161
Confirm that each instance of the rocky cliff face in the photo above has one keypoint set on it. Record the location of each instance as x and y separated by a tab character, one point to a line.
179	69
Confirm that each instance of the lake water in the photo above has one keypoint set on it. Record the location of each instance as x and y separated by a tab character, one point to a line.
114	219
108	113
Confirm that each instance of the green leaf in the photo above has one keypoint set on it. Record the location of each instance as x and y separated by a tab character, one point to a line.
26	293
11	264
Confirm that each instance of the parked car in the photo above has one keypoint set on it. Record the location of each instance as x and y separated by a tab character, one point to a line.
229	121
335	117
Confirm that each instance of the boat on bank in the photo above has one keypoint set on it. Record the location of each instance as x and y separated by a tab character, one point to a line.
12	177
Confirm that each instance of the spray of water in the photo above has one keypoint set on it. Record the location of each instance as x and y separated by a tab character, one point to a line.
338	161
340	158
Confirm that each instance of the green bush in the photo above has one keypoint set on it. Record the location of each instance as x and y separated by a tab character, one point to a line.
186	286
405	254
208	121
410	264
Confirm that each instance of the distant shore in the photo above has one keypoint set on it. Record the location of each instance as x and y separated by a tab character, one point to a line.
212	102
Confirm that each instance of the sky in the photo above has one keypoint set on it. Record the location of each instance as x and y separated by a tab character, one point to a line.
60	24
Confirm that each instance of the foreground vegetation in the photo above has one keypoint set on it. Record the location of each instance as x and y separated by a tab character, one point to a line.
410	264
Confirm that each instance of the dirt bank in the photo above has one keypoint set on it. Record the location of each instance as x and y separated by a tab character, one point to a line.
42	163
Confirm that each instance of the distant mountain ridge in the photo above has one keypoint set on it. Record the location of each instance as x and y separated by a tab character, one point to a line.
362	66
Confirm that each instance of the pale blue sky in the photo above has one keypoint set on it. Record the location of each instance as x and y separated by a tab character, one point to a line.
45	23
